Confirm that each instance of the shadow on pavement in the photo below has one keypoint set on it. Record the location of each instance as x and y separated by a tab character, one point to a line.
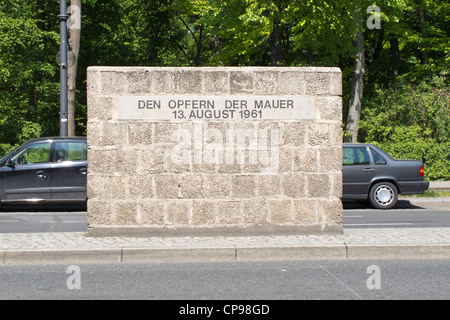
44	208
401	204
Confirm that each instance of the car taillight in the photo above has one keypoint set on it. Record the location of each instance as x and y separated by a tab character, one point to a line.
421	171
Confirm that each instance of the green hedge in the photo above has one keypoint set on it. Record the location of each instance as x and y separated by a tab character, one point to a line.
411	122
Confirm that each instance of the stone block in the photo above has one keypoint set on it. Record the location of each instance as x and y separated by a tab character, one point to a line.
294	134
124	160
151	160
306	160
266	82
336	186
114	187
163	81
188	81
100	161
286	158
305	211
241	82
292	83
243	186
317	83
140	186
93	82
113	82
269	185
204	212
216	82
330	159
331	211
100	212
167	186
125	213
100	108
294	185
336	83
280	211
318	185
113	134
329	108
254	212
139	82
217	186
319	134
179	212
94	186
229	213
140	134
191	186
151	212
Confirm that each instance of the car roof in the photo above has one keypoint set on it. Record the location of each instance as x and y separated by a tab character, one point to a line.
358	144
56	139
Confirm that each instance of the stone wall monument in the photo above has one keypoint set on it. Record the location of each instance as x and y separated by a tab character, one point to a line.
214	151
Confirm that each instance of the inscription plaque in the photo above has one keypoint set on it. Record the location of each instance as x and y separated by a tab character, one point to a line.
226	108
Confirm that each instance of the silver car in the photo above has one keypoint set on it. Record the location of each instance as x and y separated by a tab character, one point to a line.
371	174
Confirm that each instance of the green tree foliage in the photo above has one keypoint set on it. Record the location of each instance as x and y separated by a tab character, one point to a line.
406	61
28	46
412	122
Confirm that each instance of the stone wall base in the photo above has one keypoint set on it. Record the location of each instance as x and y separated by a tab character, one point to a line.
269	230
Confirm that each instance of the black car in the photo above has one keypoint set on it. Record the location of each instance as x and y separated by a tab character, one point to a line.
371	174
45	170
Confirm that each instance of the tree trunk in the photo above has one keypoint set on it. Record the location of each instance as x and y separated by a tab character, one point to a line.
218	47
275	36
394	66
422	31
275	43
356	91
199	44
74	41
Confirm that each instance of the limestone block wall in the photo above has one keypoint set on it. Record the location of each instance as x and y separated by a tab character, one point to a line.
156	171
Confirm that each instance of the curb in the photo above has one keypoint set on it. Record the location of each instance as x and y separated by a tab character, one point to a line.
159	255
439	185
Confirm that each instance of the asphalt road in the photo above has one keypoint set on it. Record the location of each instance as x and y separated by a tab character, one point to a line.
263	281
72	219
309	280
405	215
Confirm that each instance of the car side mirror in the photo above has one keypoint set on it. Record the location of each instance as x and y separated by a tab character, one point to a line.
11	163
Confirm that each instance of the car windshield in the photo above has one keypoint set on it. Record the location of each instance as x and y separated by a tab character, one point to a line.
9	155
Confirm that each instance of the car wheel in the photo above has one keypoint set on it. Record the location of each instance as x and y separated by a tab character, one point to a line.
383	195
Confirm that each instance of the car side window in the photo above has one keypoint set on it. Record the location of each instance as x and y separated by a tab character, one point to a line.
70	151
378	158
37	153
355	156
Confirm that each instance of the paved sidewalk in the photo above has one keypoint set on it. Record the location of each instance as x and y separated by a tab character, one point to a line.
364	243
353	244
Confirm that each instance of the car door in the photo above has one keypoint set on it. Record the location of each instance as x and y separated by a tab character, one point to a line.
69	170
26	176
358	172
